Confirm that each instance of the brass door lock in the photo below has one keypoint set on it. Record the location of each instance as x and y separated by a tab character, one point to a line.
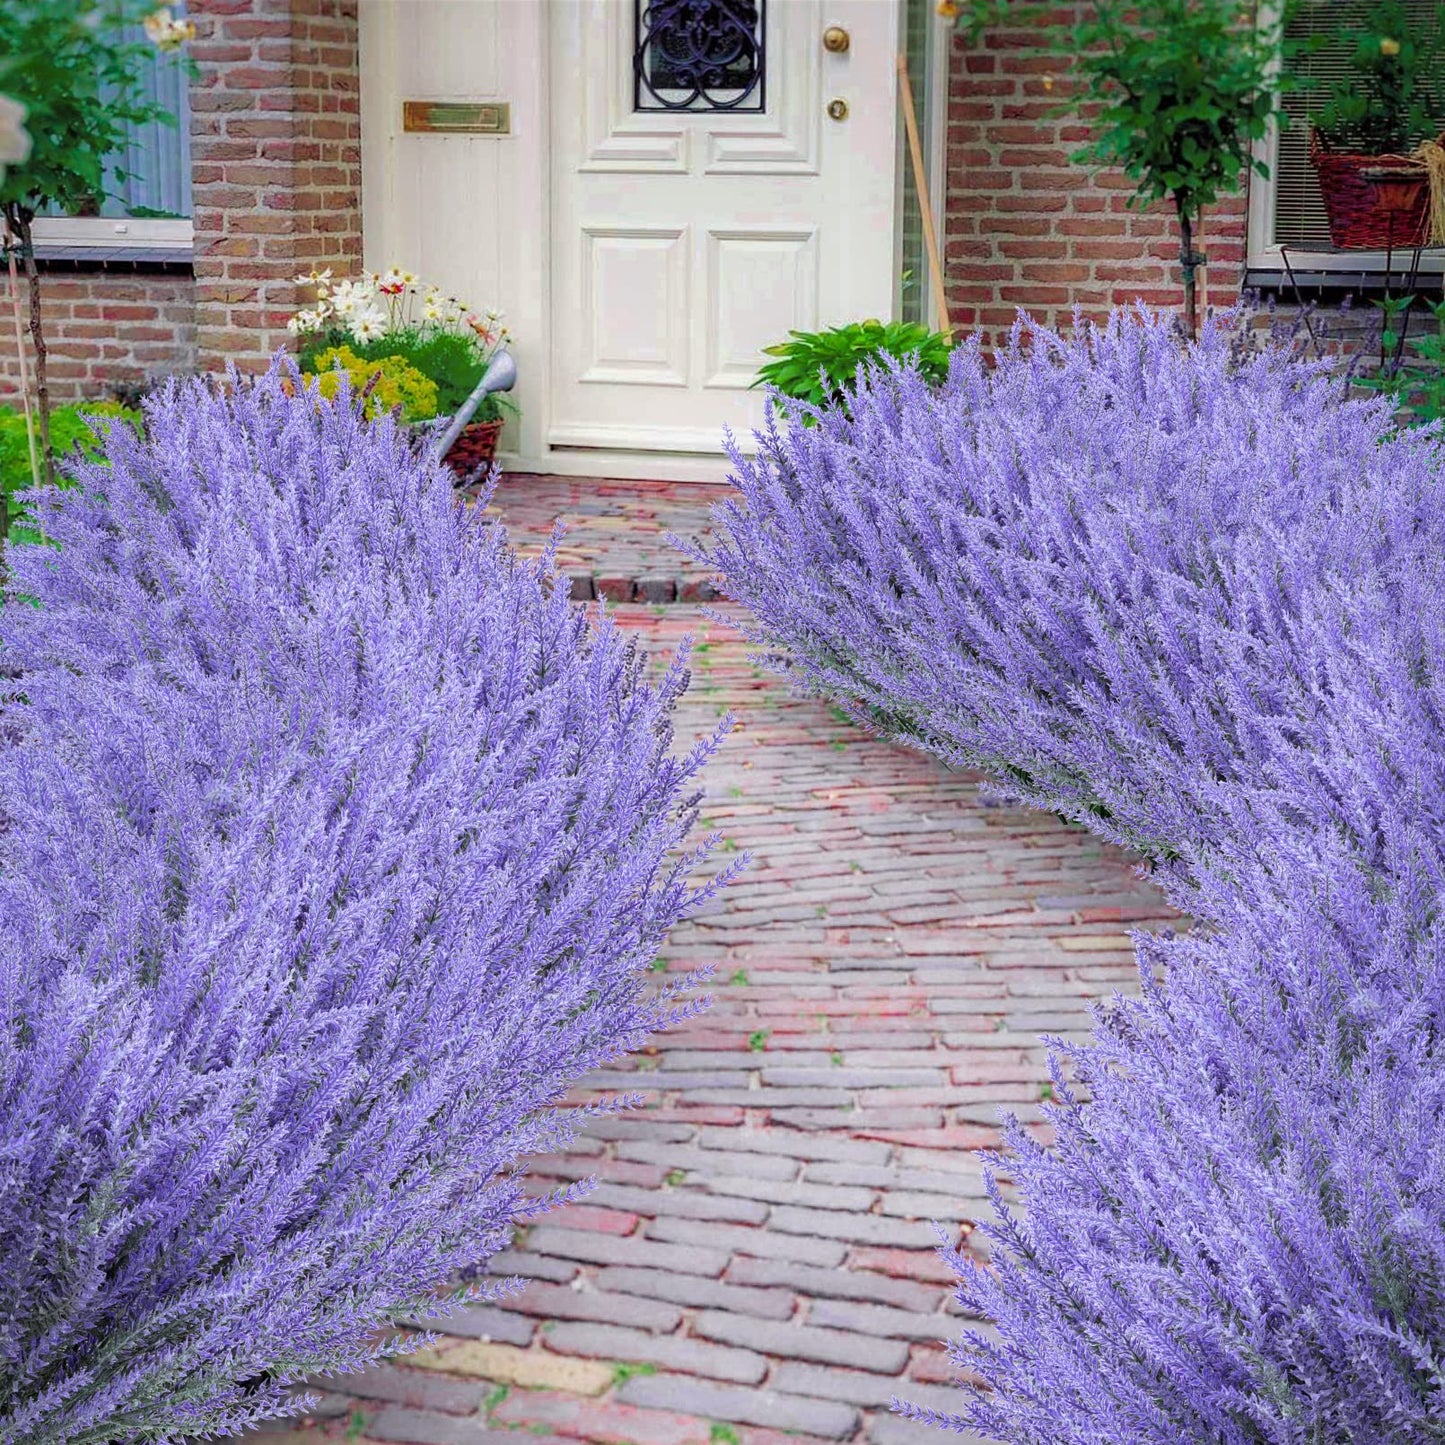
836	40
838	109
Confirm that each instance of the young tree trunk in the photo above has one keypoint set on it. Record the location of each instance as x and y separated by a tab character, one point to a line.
1190	260
19	220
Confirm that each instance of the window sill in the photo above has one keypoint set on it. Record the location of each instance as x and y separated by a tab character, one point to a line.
1317	269
52	259
115	244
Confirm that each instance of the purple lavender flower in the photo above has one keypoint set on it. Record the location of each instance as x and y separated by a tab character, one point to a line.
1190	598
337	842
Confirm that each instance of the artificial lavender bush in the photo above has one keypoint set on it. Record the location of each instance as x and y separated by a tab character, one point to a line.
1141	586
337	843
1241	1238
1190	598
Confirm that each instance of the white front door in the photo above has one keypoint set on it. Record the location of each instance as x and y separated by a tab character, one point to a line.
719	176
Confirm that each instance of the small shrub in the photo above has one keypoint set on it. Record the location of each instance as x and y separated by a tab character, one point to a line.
388	382
1113	574
1239	1240
337	844
818	367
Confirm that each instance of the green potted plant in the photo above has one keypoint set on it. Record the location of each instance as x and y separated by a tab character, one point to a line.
417	349
1377	144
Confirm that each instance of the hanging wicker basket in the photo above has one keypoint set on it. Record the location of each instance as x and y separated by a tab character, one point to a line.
1375	203
475	449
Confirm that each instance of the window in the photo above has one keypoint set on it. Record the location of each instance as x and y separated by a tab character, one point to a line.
699	55
1286	209
147	204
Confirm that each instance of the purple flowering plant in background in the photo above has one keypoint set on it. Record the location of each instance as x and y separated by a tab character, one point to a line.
1190	597
337	841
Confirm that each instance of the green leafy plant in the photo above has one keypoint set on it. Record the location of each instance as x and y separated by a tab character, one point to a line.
1176	93
1393	96
819	366
69	64
1415	381
80	426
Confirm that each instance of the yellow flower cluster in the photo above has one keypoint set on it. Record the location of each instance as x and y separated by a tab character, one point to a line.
398	382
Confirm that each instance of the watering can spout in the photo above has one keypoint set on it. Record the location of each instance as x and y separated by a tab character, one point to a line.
500	375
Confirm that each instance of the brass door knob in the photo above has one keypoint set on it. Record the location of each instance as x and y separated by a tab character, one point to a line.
836	40
838	109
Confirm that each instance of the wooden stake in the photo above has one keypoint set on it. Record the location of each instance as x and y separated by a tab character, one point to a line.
925	206
21	355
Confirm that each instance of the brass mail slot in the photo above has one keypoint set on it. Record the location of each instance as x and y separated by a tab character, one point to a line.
445	117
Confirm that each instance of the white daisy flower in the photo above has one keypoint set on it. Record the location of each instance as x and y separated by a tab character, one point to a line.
348	297
368	325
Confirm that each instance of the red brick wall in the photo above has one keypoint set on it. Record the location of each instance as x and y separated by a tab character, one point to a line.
276	167
106	330
276	149
1024	226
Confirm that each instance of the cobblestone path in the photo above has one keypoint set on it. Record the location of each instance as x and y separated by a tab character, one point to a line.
616	542
757	1260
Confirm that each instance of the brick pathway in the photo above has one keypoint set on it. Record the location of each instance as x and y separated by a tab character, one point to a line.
616	545
757	1260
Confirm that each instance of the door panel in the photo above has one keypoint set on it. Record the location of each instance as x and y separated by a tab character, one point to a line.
683	241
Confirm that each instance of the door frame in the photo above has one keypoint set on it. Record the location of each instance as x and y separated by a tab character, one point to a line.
526	211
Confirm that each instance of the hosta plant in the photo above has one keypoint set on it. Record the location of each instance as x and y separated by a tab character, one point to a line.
820	367
337	842
1187	596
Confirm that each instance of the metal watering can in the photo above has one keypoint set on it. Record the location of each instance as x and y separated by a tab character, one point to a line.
500	375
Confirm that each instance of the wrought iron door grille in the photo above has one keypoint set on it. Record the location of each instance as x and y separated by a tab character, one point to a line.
699	55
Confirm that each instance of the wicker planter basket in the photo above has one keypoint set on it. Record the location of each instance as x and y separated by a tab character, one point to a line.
1374	203
474	449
